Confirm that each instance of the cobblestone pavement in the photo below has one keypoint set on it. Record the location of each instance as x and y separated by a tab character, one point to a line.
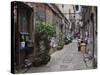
63	60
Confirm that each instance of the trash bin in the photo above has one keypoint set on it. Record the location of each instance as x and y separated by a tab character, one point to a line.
83	47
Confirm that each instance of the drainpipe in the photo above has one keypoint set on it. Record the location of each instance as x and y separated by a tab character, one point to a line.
92	19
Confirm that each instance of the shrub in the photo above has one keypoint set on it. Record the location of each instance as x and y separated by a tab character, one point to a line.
61	42
46	28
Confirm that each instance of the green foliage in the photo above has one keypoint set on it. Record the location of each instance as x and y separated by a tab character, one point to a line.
45	28
61	42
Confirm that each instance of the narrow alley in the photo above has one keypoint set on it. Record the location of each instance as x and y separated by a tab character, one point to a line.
53	37
66	59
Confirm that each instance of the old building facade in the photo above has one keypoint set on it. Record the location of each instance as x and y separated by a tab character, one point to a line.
89	18
27	17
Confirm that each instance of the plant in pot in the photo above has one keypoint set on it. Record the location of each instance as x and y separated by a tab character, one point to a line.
43	32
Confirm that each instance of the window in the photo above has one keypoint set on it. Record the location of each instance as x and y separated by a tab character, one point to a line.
62	5
77	7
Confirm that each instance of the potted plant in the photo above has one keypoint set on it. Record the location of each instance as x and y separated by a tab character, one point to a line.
43	32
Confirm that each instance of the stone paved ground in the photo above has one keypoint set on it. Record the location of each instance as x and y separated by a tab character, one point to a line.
63	60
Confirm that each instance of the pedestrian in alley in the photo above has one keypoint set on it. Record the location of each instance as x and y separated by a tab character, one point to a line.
79	41
86	41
